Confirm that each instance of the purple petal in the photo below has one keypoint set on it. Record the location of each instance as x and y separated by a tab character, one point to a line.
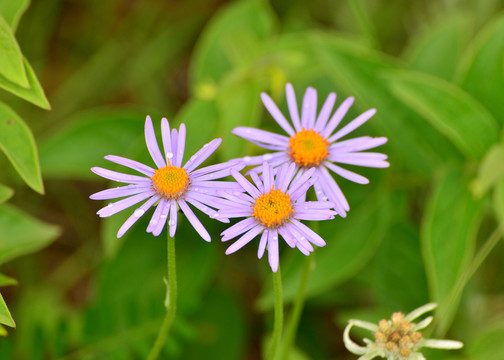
137	214
277	114
333	192
245	239
352	125
347	174
262	244
273	249
300	192
309	111
314	205
120	177
337	117
247	186
325	112
267	177
232	213
228	185
120	192
238	229
152	145
165	212
114	208
173	217
287	177
376	160
174	141
132	164
297	183
198	226
256	160
258	183
292	104
202	154
236	164
181	145
156	216
166	137
287	236
312	235
273	163
205	209
261	136
357	144
314	216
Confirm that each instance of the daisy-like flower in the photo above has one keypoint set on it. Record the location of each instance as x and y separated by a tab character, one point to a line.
170	184
398	338
273	207
313	142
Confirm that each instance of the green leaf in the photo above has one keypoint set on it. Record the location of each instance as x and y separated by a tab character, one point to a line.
490	171
213	55
358	71
447	108
12	10
34	93
22	234
5	315
498	201
18	144
11	59
351	242
481	71
100	132
6	281
486	344
5	193
448	237
438	47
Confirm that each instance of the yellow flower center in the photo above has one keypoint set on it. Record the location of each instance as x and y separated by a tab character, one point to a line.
170	181
273	209
308	148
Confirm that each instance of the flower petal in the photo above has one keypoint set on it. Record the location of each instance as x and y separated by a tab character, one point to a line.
276	114
262	244
166	137
238	229
120	177
245	239
180	145
132	164
152	145
193	219
173	217
137	214
247	186
325	112
337	117
202	154
352	125
273	249
347	174
292	104
114	208
309	111
121	191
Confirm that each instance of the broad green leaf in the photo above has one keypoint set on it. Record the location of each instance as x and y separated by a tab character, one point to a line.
11	59
350	244
100	132
22	234
358	71
5	315
438	47
481	71
211	60
448	237
5	193
6	281
447	108
239	104
18	144
34	93
486	344
498	201
490	171
12	10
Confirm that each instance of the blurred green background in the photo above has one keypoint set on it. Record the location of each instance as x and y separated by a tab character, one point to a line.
417	233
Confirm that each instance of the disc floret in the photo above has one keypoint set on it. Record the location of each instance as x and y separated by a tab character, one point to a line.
273	209
171	182
308	148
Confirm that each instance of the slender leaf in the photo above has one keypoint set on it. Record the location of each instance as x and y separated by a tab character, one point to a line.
490	171
5	315
438	47
22	234
449	109
5	193
481	71
34	93
18	144
11	59
12	10
448	237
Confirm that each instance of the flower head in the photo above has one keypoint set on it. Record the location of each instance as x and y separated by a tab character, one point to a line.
313	142
170	185
398	338
273	207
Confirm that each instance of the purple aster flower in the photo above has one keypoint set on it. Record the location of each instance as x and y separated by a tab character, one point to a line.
273	206
169	185
313	142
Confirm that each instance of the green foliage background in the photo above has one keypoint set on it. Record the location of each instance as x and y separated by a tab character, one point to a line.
433	69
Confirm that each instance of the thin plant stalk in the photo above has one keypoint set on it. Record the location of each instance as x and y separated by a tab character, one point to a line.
170	302
278	317
297	309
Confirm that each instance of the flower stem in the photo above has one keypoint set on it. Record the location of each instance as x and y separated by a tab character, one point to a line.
170	302
292	325
278	321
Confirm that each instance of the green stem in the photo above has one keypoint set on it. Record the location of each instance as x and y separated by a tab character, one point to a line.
292	325
170	302
278	321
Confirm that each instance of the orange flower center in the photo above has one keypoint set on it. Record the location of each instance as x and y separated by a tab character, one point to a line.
273	209
308	148
170	181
